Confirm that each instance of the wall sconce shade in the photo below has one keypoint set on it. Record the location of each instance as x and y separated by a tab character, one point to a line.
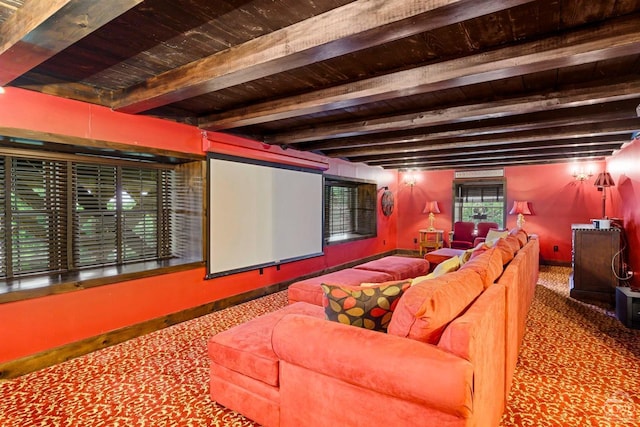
520	207
603	181
431	208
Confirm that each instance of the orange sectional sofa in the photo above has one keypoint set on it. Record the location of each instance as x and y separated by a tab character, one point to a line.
446	359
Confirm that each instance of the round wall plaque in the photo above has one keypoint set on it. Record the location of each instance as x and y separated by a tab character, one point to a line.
387	202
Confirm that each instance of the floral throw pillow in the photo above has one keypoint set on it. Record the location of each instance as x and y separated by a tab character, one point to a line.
369	307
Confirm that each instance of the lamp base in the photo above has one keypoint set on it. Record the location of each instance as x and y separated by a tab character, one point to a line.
520	221
432	217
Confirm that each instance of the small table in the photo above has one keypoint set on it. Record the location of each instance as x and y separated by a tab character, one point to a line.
430	239
628	307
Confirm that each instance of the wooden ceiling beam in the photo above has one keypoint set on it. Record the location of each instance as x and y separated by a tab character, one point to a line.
524	123
350	28
616	128
41	29
474	152
556	100
618	38
500	161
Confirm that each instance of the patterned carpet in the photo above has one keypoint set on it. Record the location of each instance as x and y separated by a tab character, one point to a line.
578	367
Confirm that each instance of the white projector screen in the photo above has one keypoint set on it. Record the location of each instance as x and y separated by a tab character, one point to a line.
261	214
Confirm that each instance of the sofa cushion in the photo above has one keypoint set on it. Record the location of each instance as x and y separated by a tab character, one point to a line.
487	265
247	349
398	267
513	242
521	235
478	250
426	308
506	251
368	307
309	290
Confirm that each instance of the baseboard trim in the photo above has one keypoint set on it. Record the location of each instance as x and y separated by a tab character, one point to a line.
25	365
555	263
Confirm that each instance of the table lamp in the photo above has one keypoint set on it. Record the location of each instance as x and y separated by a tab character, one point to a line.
603	181
431	208
520	207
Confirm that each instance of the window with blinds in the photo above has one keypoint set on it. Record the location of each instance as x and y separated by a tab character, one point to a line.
349	210
36	215
65	215
479	201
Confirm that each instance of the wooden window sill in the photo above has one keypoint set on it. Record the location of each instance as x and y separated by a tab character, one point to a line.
39	286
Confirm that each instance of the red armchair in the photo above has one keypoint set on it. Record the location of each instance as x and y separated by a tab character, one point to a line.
462	235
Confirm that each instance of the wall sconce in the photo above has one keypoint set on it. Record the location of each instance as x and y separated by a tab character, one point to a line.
431	208
521	208
409	179
581	175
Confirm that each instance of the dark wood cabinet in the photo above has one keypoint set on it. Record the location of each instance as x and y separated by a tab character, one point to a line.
595	257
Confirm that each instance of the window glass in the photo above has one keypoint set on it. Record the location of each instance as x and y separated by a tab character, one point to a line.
95	234
479	201
350	210
38	216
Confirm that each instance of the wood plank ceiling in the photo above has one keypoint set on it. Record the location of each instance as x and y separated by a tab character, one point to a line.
436	84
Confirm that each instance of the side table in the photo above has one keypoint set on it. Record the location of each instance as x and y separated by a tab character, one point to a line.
430	239
628	307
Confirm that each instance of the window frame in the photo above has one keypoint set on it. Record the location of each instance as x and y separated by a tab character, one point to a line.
363	228
24	286
476	182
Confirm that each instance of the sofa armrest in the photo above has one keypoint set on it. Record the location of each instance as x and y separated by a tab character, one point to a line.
387	364
478	240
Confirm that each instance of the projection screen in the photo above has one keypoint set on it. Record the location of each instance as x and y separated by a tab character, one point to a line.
261	214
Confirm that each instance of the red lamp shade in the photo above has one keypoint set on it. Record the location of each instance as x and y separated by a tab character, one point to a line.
604	180
431	207
520	207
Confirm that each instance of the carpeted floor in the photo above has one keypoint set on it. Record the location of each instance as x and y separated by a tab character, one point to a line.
578	367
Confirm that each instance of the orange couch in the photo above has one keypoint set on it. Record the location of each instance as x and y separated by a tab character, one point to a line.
444	361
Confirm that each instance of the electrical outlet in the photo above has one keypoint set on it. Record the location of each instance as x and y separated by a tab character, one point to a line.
555	248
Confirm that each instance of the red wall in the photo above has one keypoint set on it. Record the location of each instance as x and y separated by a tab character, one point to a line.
430	186
556	198
625	172
34	325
